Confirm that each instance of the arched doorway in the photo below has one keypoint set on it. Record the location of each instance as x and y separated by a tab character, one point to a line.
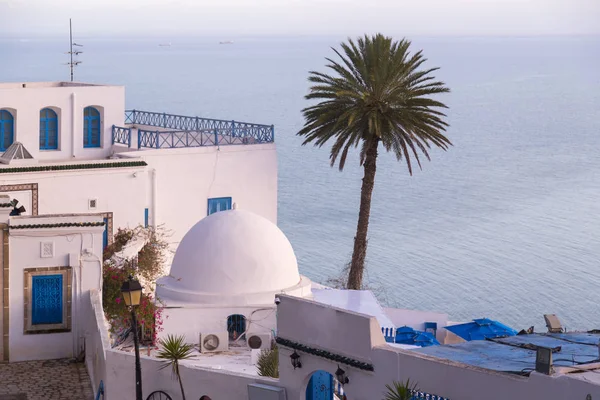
323	386
236	326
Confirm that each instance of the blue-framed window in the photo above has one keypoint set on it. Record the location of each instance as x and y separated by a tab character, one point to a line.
7	129
218	204
146	217
48	129
91	127
105	234
47	299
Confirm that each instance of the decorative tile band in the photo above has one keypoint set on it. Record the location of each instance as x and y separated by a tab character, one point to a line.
71	167
59	225
325	354
6	205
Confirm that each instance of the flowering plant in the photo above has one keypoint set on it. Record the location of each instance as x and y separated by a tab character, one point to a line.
148	267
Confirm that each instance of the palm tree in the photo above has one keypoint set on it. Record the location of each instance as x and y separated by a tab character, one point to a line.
377	93
268	362
400	390
174	350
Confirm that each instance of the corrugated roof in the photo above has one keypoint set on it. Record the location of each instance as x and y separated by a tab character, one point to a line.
517	354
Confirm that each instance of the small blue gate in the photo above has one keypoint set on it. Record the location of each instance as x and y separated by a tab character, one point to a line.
236	326
320	386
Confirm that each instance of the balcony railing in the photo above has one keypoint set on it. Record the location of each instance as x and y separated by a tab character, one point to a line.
121	135
181	131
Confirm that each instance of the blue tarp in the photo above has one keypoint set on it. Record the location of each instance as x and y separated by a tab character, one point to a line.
407	335
481	329
505	354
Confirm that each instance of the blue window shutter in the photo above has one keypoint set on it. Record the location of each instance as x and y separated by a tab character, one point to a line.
47	299
146	217
6	129
91	127
105	234
218	204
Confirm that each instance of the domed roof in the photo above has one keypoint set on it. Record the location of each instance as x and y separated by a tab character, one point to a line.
231	257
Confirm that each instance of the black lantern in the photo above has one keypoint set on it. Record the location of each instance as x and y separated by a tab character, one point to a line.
132	292
341	377
295	357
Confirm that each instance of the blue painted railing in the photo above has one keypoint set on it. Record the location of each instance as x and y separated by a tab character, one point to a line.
418	395
181	131
121	135
100	391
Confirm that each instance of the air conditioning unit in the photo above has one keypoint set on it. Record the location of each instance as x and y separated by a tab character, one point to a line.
260	341
214	342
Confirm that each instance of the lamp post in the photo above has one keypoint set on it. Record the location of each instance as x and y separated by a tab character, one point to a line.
132	293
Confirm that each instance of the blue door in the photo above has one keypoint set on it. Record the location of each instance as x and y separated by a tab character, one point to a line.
320	386
218	204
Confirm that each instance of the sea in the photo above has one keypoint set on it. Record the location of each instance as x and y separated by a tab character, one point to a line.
505	224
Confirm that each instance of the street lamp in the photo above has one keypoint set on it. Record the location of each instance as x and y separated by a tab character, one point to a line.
132	294
295	357
340	375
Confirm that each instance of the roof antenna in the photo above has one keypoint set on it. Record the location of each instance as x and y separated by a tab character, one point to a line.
72	63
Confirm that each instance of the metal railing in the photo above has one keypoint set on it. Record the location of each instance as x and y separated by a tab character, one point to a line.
182	131
418	395
121	135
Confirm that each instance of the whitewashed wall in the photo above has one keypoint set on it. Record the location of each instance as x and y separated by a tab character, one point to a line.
97	342
218	384
190	322
68	102
24	247
187	178
358	336
116	189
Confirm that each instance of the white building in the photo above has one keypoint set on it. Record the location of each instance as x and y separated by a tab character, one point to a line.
78	151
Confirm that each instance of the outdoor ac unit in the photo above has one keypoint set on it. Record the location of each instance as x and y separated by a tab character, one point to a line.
213	342
260	341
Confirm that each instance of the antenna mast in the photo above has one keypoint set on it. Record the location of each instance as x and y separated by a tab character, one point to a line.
72	63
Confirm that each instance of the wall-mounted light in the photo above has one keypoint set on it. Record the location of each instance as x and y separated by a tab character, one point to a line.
295	358
341	377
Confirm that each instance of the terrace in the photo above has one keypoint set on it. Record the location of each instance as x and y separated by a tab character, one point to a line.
145	129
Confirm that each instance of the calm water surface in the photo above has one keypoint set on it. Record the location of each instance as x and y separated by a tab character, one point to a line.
503	225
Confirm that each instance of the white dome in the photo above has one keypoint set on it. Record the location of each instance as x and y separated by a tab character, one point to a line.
231	257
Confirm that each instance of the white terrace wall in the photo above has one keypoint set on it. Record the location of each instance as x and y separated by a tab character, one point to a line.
122	191
217	384
182	181
97	342
359	337
68	101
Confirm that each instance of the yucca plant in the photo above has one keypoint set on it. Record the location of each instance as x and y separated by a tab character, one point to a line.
173	349
268	362
401	390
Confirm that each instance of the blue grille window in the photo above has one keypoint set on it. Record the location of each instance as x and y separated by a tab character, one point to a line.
47	299
219	204
91	127
146	217
7	126
48	130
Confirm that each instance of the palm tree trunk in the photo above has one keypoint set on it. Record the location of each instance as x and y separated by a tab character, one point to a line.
357	267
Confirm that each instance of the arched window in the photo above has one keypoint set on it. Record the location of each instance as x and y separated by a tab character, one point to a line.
48	129
7	126
236	326
91	127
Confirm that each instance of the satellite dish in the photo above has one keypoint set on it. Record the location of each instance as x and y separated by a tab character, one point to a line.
210	342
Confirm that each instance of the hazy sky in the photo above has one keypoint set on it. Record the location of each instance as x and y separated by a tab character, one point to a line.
257	17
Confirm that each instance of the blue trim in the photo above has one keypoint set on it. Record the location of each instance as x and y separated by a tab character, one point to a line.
320	386
100	391
48	129
146	213
91	127
46	299
7	129
218	204
105	234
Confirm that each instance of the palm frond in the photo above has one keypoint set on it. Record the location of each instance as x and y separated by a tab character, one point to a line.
268	362
376	90
400	390
174	349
